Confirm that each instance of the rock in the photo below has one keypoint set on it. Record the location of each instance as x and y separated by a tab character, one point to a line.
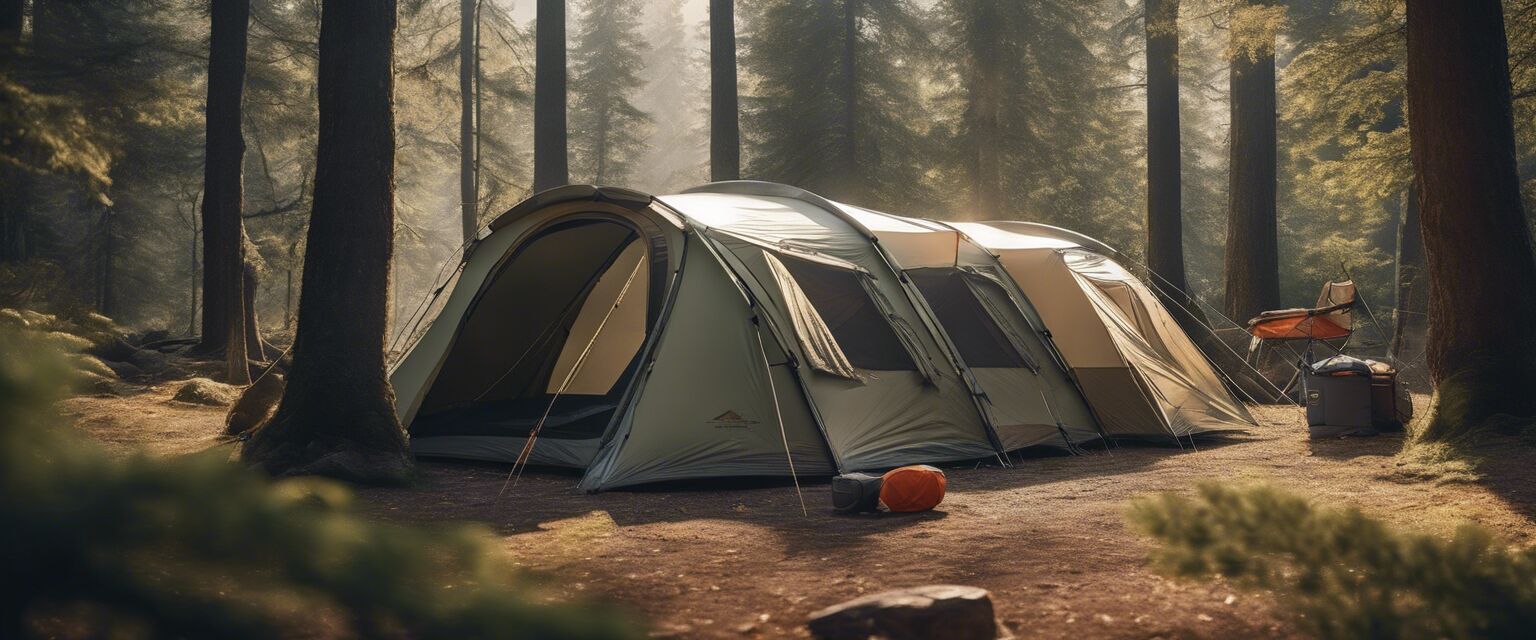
114	349
124	370
258	402
149	337
149	361
207	392
933	611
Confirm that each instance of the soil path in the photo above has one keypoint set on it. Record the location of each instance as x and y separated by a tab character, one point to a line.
1049	538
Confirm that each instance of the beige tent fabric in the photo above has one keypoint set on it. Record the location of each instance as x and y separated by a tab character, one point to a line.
1139	370
615	336
1193	395
821	350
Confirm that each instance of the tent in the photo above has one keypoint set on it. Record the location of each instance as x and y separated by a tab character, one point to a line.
1138	369
738	329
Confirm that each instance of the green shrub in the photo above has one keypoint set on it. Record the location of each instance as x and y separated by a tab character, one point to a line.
1349	576
94	545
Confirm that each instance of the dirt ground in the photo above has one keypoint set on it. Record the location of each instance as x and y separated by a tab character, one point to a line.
1048	538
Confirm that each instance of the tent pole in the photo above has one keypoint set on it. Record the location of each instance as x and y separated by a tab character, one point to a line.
521	462
779	416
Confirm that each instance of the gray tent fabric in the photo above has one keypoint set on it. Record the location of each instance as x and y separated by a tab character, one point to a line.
753	329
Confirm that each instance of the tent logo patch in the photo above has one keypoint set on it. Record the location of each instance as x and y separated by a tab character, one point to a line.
730	420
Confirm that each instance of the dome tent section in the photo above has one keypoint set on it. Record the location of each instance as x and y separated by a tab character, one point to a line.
679	344
996	335
871	363
1139	371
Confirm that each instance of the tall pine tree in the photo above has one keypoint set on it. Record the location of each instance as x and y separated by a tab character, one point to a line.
608	131
675	152
1040	124
836	102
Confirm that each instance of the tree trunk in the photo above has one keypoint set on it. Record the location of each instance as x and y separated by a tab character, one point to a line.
11	12
724	122
1252	255
224	321
550	164
984	113
1165	214
337	415
196	287
1412	305
254	345
469	134
850	184
288	302
1477	245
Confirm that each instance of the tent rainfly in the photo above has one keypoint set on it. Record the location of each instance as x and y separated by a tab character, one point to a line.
755	329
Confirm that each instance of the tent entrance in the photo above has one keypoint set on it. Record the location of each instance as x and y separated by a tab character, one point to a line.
559	328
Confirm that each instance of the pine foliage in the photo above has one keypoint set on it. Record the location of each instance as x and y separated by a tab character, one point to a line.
794	122
1346	575
101	546
608	132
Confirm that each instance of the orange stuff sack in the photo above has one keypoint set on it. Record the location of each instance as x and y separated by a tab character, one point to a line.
915	488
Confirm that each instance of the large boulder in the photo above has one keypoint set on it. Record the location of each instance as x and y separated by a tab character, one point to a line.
933	611
207	392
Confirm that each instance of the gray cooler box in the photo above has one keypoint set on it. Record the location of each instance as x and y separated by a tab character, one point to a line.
1338	397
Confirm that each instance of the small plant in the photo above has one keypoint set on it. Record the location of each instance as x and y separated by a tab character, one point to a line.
98	546
1347	575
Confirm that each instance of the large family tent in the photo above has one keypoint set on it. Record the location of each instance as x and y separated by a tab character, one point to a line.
1135	365
743	329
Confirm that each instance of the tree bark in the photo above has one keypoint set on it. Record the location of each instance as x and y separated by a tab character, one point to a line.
1411	307
851	183
984	113
469	134
254	345
1252	254
1165	214
337	415
11	12
1477	245
724	107
550	162
224	320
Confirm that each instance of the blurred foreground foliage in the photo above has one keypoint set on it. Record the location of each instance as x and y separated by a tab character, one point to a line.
1349	576
98	546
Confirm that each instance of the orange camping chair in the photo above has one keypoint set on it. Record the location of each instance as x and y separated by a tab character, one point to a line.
1331	319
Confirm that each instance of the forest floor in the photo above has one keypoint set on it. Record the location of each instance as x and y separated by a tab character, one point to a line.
1049	538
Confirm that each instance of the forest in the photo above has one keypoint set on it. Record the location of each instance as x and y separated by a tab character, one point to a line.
248	247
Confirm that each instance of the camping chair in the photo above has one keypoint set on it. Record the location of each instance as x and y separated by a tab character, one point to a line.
1331	319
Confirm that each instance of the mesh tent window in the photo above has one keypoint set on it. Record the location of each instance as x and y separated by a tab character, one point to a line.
860	332
973	331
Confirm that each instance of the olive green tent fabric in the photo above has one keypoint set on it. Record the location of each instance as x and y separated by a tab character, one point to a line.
750	329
